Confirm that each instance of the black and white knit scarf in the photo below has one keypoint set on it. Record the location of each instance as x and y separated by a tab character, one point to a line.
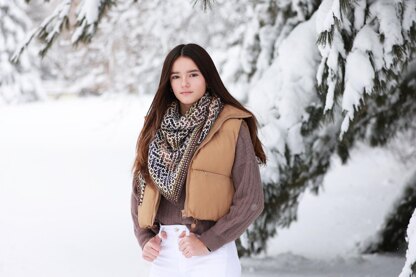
175	142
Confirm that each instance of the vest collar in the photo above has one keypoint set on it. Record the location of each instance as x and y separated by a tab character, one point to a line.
228	112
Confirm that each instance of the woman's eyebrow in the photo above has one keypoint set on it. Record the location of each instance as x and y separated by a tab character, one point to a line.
189	71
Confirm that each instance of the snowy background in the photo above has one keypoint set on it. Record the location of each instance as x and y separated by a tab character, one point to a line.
331	82
65	190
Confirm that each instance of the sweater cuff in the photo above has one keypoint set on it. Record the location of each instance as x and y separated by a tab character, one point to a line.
145	236
211	240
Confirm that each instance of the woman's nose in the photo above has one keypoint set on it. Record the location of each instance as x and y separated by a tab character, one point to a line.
184	81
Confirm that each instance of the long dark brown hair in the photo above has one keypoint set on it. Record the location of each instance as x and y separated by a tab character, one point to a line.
164	97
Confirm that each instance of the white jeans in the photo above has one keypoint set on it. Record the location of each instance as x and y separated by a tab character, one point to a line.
222	262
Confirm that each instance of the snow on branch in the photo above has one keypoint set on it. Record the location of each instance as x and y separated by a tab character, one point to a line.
48	30
410	265
408	10
281	110
89	14
330	25
364	47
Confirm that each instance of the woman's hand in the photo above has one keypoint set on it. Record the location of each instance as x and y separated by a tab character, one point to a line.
152	248
191	245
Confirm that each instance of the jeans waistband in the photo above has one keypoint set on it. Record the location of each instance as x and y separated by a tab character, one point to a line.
174	229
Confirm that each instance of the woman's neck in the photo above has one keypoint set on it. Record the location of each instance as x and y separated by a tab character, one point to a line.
183	108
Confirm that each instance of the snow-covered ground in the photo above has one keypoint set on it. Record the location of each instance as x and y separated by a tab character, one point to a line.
289	265
65	199
355	199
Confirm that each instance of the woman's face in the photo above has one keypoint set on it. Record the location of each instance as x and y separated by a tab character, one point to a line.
187	83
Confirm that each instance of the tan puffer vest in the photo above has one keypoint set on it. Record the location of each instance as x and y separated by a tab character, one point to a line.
209	184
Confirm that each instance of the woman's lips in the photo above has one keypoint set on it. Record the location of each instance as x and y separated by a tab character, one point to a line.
186	92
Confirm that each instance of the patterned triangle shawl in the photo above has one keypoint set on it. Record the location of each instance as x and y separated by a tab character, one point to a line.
175	142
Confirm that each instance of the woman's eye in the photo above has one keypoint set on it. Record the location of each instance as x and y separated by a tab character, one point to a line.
194	75
174	77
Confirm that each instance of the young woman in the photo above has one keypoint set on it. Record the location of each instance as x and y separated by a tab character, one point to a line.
196	185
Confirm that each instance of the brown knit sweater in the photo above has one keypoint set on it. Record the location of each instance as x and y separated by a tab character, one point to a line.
248	203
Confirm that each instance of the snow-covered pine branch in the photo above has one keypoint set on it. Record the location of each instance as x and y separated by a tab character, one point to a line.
88	15
364	47
48	30
331	24
256	41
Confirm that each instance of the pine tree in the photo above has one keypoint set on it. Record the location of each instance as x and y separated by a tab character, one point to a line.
364	46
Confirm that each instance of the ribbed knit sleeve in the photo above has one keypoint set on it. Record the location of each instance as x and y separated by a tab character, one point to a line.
248	199
143	235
